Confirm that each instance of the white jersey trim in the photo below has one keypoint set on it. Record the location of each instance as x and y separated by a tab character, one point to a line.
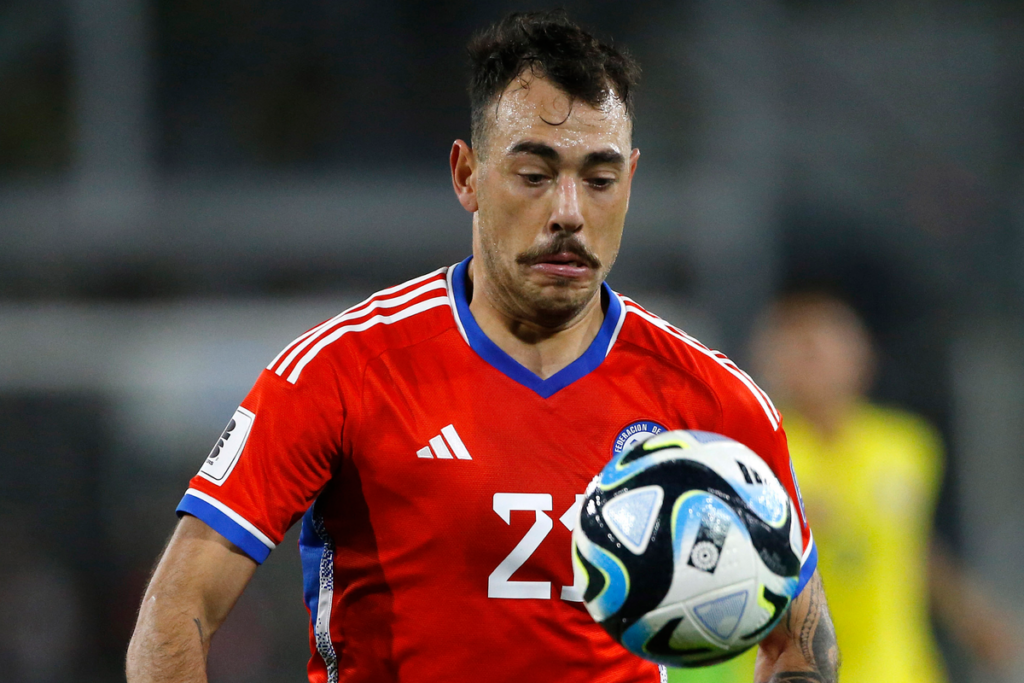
762	398
371	304
451	301
328	323
618	324
809	548
365	325
234	516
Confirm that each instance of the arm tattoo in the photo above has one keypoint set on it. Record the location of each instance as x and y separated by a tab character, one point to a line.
808	627
200	627
816	638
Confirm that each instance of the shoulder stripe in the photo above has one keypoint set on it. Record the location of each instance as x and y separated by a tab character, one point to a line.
353	309
371	304
721	359
725	360
338	333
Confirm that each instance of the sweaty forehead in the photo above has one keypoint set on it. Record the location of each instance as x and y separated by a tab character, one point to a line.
532	107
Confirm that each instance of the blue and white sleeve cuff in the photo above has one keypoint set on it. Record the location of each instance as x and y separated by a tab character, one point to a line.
227	523
809	562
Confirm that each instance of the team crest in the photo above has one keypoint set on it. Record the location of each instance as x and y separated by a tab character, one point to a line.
634	433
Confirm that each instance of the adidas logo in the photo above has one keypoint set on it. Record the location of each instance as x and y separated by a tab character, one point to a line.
443	445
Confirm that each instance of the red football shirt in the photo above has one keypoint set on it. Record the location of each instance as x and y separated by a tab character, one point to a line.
438	481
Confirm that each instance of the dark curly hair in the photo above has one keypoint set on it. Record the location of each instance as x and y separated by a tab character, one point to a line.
552	46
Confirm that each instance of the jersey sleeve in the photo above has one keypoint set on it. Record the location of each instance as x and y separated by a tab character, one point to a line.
276	454
748	416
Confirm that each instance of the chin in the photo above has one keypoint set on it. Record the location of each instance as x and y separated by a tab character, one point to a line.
562	300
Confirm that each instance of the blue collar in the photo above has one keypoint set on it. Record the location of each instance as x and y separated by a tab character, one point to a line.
458	278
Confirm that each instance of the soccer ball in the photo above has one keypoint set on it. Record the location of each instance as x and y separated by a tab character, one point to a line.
690	546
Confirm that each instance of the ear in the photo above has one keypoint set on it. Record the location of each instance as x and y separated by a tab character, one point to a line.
464	165
634	157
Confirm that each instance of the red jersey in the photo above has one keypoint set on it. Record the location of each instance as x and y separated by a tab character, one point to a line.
438	481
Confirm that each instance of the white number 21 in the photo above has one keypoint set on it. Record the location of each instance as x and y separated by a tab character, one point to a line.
499	584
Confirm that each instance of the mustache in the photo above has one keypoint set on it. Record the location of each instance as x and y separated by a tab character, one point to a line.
560	244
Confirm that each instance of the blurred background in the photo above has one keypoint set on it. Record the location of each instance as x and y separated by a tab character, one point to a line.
187	185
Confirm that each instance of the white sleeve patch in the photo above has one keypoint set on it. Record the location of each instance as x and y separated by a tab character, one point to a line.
225	453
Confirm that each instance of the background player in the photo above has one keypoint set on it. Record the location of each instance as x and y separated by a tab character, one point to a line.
407	431
870	477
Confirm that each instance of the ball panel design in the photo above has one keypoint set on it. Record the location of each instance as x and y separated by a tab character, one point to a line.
704	556
773	606
690	548
614	580
632	515
703	437
700	518
721	615
671	636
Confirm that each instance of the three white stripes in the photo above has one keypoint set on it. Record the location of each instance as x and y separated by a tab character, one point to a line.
349	312
366	324
353	314
318	337
439	449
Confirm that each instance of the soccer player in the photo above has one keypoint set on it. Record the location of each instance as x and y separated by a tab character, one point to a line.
436	440
887	575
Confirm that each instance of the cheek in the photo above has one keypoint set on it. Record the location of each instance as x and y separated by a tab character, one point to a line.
512	220
501	230
607	222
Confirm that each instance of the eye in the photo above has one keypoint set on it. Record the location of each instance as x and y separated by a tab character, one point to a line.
601	183
533	178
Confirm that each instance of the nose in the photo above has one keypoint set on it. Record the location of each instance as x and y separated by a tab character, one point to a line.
566	215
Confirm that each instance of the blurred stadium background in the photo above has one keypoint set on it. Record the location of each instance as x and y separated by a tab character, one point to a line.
185	186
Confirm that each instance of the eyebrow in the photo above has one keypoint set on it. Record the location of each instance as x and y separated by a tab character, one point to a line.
605	156
537	149
549	153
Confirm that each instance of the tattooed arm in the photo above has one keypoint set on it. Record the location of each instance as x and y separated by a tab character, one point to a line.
194	586
802	648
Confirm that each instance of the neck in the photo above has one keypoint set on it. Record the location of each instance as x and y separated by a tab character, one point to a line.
541	348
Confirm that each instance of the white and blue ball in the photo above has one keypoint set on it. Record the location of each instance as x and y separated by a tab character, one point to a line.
691	548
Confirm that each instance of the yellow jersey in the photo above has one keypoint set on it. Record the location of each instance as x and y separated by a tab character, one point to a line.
870	493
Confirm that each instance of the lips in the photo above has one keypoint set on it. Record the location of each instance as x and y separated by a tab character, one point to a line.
564	258
563	265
